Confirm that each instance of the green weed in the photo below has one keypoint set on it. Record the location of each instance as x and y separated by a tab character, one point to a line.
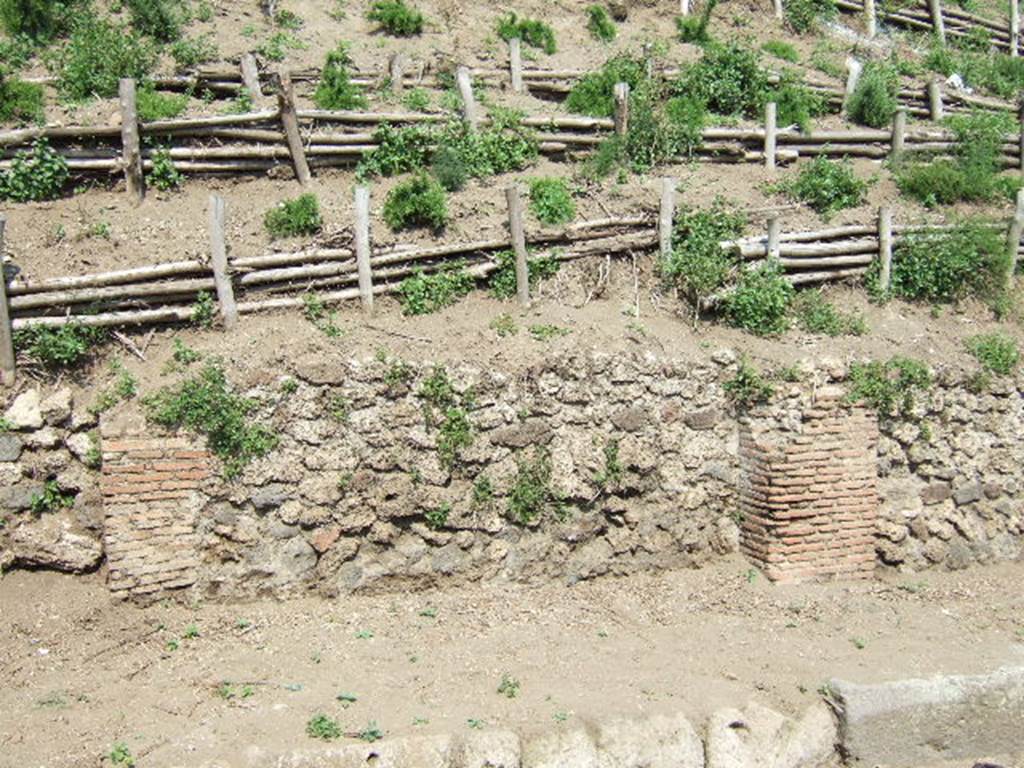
154	105
396	18
504	325
804	16
531	494
612	473
291	218
336	89
96	55
508	687
748	387
52	498
827	186
996	352
419	202
532	32
437	517
817	315
551	201
121	755
422	294
189	53
593	93
600	24
873	101
503	280
57	348
694	29
891	387
164	175
546	332
760	301
33	176
322	727
276	47
781	50
21	103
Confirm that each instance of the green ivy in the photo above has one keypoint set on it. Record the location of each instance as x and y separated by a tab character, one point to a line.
37	175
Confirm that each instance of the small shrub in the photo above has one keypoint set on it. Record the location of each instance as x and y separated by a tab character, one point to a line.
323	727
370	733
164	175
545	332
873	101
781	50
336	90
532	32
36	20
747	387
509	687
21	103
454	433
531	494
698	266
396	18
817	315
437	517
399	150
416	100
96	55
996	352
64	347
322	318
189	53
37	175
418	202
551	202
593	94
286	19
891	387
154	105
728	80
804	16
660	133
298	216
423	294
796	103
947	265
51	499
121	755
206	404
483	492
600	24
276	47
503	279
826	185
994	73
159	19
504	325
760	301
694	29
613	471
204	310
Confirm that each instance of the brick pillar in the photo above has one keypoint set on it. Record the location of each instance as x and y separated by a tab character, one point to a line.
151	499
809	498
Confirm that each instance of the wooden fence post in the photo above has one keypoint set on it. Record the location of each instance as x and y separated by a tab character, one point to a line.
684	7
935	109
363	248
666	217
769	135
853	70
885	248
935	6
899	132
396	71
515	225
251	77
290	123
465	84
772	249
1020	117
515	63
1013	241
870	18
7	360
1015	28
219	259
621	94
779	11
131	152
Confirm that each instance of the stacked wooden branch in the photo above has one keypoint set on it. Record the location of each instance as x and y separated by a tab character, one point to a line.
956	22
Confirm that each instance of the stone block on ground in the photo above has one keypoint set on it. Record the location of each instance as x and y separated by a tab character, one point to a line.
759	737
55	542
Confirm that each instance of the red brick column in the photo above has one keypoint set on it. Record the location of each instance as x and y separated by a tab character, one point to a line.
151	498
810	499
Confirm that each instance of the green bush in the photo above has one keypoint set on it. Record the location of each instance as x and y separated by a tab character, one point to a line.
396	18
817	315
948	265
298	216
336	90
697	266
423	294
551	201
399	150
276	47
21	103
728	79
593	94
661	131
996	352
37	175
418	202
600	24
694	29
531	494
760	301
190	52
781	50
159	19
503	279
64	347
806	15
826	185
36	20
96	56
995	73
154	105
748	387
206	404
873	101
891	388
795	103
164	175
533	32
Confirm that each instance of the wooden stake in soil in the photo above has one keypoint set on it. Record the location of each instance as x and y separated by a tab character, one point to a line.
899	133
779	13
397	65
1020	116
684	7
1014	28
853	70
935	6
885	248
251	77
6	334
666	216
515	63
1013	241
465	84
769	135
131	153
870	18
219	259
621	94
363	248
934	100
772	249
290	123
515	225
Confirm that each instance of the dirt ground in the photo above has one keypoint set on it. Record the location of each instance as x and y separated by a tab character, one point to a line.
80	672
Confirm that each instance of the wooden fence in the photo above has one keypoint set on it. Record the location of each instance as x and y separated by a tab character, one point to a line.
347	267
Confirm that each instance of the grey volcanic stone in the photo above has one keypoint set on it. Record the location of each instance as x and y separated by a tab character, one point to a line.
529	432
10	448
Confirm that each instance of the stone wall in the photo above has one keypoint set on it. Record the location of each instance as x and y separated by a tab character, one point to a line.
576	467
